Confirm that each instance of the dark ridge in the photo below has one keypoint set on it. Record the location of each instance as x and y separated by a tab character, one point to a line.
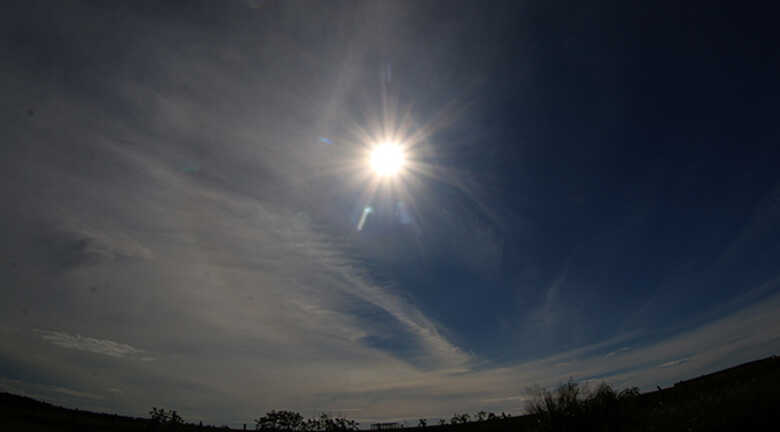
743	371
743	395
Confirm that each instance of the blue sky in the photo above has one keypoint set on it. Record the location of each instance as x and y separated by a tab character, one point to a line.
597	199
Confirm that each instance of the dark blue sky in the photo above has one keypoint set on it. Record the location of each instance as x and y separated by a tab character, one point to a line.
592	192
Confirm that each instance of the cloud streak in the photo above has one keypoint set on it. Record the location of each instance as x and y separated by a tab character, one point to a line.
673	363
82	343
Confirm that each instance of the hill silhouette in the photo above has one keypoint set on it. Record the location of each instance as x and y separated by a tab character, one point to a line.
744	396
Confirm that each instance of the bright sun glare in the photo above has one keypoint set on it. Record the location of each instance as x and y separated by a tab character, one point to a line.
387	159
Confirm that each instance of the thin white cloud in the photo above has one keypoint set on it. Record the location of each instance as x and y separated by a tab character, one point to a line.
673	363
618	351
505	399
82	343
104	246
78	394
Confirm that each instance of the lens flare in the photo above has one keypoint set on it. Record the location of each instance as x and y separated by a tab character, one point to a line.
387	159
366	211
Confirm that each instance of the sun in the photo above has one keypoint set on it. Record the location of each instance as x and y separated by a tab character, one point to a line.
387	159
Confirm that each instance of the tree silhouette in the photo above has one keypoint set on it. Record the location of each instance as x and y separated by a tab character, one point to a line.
281	421
158	415
175	419
460	418
328	424
162	417
290	421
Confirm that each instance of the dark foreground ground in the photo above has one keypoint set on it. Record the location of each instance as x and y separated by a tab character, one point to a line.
745	397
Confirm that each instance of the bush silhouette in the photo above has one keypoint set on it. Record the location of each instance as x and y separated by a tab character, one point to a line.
170	418
333	424
290	421
282	421
573	407
460	418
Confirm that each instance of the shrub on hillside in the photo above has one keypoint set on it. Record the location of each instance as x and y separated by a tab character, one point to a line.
574	407
160	416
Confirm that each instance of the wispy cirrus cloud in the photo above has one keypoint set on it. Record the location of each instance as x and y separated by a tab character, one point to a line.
76	393
83	343
617	351
674	363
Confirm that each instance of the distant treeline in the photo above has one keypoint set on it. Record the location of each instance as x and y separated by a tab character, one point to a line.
290	421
